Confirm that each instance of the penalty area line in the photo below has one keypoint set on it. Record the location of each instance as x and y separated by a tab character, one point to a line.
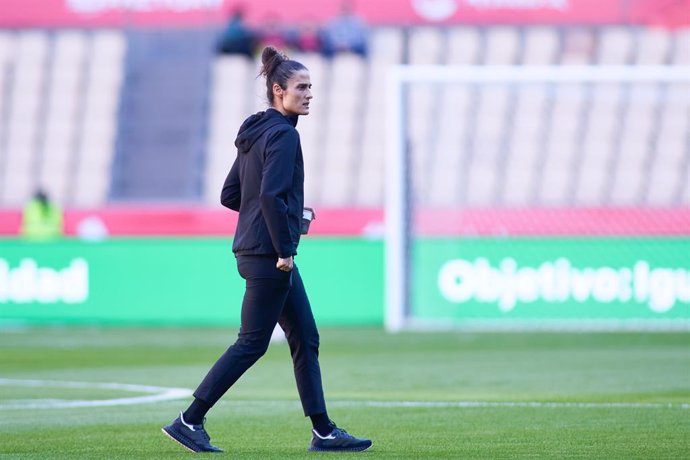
154	394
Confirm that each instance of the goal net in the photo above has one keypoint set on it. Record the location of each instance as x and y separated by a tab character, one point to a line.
538	197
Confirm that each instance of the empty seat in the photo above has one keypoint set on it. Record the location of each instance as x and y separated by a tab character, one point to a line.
464	46
96	140
684	199
230	85
665	187
480	186
541	46
369	169
386	44
577	46
681	47
7	57
311	128
615	45
425	46
653	46
502	46
25	107
447	168
64	109
342	146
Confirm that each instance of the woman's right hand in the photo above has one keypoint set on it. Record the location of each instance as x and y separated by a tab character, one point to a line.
285	264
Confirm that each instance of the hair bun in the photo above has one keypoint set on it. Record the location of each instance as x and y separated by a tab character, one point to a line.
269	53
271	58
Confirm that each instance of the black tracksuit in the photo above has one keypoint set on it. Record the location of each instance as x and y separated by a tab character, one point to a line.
266	186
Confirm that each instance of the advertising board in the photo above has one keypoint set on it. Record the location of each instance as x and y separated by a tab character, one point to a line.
123	13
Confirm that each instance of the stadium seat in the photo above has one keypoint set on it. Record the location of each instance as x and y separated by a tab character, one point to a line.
386	43
229	104
425	46
456	107
464	46
518	186
626	187
386	51
103	83
665	187
63	111
343	127
599	147
7	57
684	199
25	100
541	46
653	47
577	46
502	46
615	46
681	47
311	127
481	184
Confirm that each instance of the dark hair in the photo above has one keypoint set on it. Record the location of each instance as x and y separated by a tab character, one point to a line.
277	68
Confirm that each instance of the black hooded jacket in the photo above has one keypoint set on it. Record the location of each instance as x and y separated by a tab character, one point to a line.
266	186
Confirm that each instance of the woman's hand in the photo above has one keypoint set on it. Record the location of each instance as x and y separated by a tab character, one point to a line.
285	264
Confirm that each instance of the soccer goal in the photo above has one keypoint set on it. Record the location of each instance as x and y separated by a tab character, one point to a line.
538	197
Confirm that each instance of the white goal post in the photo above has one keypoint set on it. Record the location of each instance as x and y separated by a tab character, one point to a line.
398	188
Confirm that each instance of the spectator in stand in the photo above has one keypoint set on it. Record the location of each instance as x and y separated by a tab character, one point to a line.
272	33
237	38
41	219
306	37
345	33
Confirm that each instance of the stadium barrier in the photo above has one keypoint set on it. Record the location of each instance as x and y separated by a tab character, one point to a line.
576	268
181	282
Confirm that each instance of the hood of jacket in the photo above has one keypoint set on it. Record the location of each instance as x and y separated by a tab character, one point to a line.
256	125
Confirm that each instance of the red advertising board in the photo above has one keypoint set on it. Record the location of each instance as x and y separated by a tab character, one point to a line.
369	222
123	13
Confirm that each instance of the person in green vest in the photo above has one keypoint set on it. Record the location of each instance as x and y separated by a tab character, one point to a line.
41	220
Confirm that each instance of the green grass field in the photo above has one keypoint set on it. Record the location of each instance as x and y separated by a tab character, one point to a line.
418	395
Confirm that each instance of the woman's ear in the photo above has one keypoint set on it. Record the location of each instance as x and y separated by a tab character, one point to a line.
277	90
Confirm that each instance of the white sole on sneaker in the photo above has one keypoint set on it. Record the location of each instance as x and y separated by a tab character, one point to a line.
178	441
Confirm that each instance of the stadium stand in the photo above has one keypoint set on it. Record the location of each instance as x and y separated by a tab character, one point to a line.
109	116
162	120
60	93
96	147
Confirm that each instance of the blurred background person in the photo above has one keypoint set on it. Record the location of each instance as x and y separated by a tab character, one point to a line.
273	32
305	37
41	219
345	33
238	37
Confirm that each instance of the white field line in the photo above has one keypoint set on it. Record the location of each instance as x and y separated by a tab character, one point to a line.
158	394
473	404
535	404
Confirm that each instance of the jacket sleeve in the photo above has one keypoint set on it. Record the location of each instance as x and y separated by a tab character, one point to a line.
230	196
276	181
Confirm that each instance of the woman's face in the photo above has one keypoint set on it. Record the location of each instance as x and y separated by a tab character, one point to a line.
294	100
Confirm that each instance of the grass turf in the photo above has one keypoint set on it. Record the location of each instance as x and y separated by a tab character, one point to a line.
261	418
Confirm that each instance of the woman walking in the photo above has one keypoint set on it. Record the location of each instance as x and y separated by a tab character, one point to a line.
266	186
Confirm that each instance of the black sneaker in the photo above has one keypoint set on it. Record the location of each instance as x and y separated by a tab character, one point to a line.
338	441
192	437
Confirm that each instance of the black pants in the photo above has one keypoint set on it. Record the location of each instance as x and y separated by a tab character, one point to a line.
271	296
